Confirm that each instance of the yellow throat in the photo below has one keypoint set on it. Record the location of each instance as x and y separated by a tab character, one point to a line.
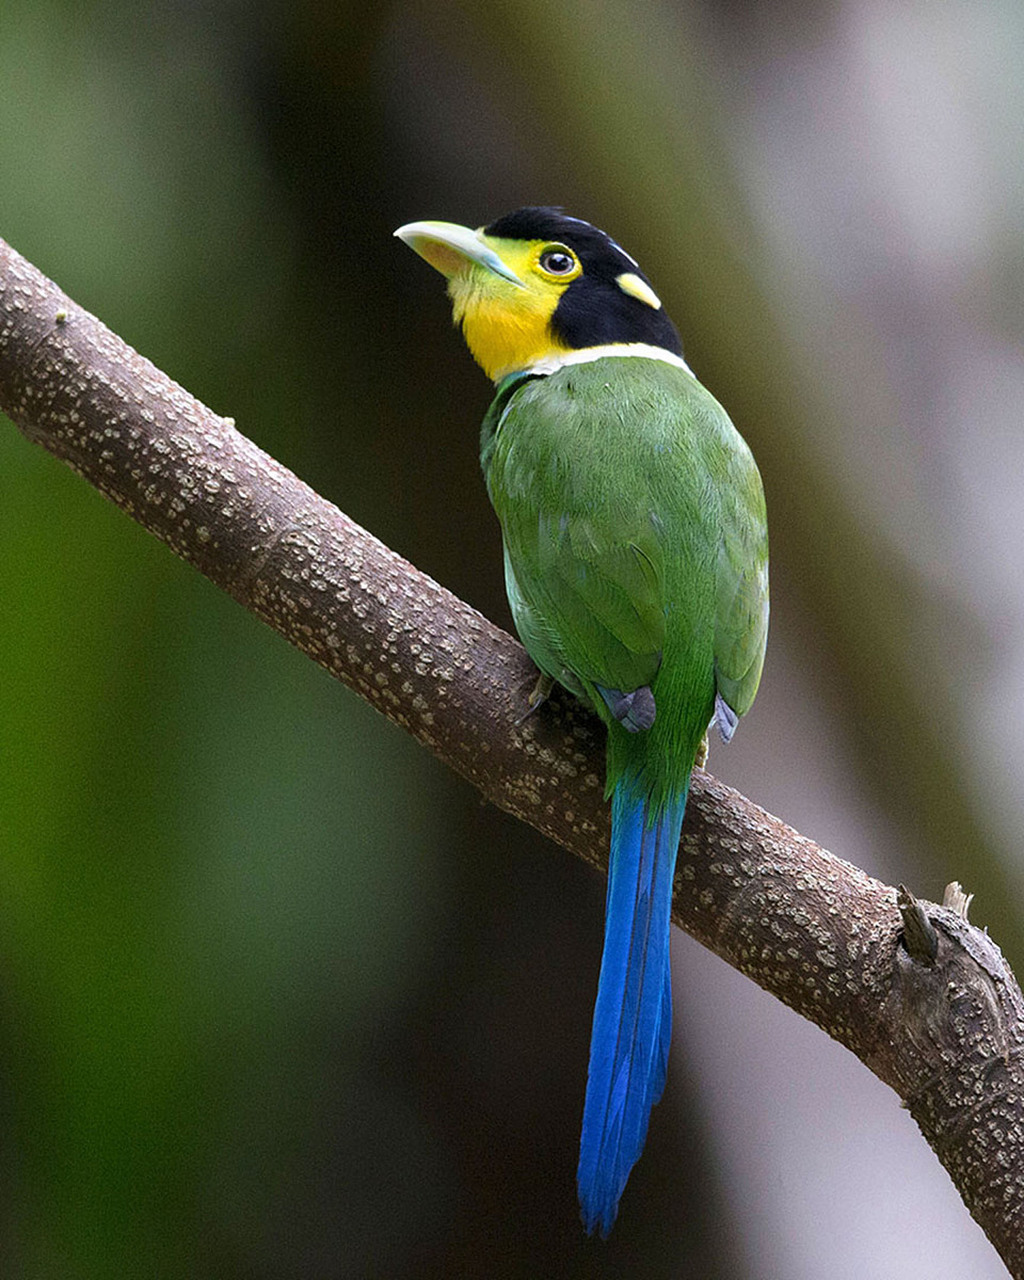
507	327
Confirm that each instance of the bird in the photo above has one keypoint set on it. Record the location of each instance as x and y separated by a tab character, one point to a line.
636	568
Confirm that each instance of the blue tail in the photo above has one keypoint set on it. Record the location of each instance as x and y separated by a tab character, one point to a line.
633	1014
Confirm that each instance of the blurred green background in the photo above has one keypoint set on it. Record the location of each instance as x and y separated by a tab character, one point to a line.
278	997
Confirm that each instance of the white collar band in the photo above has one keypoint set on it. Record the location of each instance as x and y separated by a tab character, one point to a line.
550	364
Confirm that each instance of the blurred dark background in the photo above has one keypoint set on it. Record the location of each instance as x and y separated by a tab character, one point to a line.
278	996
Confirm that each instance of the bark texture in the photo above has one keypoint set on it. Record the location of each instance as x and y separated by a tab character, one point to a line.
922	997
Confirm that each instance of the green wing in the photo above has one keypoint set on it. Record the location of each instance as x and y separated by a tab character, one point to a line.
741	617
586	602
584	563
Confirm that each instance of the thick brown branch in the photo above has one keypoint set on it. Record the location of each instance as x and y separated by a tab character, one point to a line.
941	1020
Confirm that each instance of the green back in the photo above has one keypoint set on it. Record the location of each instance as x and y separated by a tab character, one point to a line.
635	546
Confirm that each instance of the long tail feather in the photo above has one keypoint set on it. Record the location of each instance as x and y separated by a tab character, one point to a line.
664	1035
633	1014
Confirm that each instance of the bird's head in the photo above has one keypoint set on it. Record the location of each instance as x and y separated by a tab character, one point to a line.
536	285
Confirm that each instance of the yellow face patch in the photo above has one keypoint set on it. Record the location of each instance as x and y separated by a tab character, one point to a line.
508	326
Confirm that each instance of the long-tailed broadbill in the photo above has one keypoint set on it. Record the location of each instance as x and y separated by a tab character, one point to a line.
636	567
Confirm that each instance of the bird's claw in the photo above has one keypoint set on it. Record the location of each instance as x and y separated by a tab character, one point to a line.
540	694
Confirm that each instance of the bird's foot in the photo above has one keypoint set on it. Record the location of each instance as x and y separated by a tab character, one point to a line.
701	758
541	693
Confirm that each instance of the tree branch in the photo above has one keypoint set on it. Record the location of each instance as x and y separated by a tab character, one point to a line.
922	997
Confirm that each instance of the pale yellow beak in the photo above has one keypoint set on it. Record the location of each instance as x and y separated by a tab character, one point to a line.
450	249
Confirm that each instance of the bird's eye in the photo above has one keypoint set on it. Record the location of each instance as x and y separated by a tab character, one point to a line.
557	261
